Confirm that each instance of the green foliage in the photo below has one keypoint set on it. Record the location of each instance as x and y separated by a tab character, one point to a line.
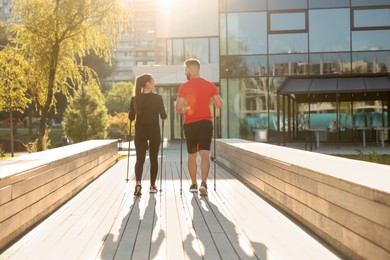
14	80
118	98
4	37
54	37
2	152
121	123
86	116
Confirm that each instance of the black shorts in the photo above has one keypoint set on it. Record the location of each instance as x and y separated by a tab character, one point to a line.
198	136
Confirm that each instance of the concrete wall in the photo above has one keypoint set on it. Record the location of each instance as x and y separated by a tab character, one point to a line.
346	202
33	186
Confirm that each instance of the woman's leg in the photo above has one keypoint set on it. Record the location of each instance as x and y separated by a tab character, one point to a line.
154	145
141	146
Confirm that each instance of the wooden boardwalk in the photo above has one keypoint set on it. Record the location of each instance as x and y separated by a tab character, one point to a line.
105	221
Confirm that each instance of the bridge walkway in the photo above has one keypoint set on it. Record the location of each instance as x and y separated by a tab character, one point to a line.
105	221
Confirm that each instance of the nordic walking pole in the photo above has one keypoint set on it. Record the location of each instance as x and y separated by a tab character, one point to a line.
215	153
162	153
181	152
128	156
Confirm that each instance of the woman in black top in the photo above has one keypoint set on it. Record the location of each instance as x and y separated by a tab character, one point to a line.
146	107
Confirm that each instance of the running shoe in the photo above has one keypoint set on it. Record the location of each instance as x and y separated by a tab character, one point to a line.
194	188
137	192
203	189
153	189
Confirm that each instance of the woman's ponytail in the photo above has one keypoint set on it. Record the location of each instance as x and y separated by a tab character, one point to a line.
140	83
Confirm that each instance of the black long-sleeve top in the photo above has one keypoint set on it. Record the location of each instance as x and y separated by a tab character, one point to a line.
151	108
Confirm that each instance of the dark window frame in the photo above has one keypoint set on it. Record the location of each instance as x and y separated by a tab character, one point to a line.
368	28
304	11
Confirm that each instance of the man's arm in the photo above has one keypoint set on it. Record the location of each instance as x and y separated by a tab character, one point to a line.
217	100
180	105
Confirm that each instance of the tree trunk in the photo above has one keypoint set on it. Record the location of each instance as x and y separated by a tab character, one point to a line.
41	145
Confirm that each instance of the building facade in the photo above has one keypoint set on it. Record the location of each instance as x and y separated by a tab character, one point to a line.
259	44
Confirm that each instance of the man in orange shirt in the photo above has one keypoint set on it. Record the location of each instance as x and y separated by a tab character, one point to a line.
194	102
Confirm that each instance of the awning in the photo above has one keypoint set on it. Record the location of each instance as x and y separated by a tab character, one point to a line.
325	89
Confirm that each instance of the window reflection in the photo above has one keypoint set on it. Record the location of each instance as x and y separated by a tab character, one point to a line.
287	4
280	65
370	62
214	51
371	40
288	43
328	3
288	21
249	101
369	2
247	33
323	36
330	63
245	6
197	48
243	66
222	34
204	49
371	18
178	51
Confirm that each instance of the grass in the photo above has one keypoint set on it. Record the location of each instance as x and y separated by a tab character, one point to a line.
368	157
23	136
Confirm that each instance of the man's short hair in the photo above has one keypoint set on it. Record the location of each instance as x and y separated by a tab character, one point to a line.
192	63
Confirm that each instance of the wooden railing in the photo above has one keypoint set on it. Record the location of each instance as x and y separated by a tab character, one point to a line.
345	202
32	186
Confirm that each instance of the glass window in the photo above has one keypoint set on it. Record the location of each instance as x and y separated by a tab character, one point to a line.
329	30
288	43
247	5
178	51
287	4
371	40
369	2
169	52
370	62
243	66
197	48
214	51
287	65
328	3
287	21
247	33
222	34
248	107
330	63
371	18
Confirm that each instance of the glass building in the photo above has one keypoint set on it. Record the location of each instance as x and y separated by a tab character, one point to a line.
267	46
282	66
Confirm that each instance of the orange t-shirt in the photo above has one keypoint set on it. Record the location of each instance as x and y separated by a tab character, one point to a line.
197	93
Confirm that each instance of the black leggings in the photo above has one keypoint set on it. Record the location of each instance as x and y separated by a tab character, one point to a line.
141	145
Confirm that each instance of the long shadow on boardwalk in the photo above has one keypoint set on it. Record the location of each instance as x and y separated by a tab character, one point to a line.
227	243
134	239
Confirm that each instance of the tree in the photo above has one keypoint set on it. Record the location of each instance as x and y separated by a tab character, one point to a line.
55	35
13	84
118	98
121	124
85	118
4	38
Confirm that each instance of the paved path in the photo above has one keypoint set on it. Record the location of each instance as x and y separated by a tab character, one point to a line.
105	221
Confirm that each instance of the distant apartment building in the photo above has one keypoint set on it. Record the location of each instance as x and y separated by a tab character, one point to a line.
137	46
5	10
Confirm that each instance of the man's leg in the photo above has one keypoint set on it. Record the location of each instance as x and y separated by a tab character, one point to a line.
192	167
204	164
